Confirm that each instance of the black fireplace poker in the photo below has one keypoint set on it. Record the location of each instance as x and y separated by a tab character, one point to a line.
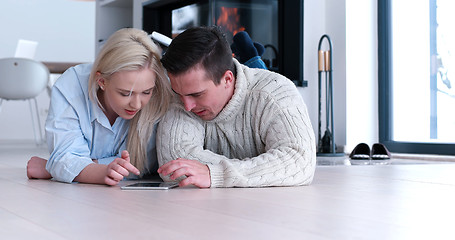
326	143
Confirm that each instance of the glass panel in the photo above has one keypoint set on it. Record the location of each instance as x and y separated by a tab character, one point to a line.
445	62
258	18
189	16
423	71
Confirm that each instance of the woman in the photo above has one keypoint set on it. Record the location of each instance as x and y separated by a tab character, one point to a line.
97	111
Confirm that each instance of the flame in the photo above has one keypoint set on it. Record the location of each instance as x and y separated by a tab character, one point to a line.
229	18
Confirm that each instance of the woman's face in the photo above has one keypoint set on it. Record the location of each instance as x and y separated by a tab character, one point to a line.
126	92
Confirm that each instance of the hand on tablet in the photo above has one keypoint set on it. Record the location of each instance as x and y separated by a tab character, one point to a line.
119	168
196	173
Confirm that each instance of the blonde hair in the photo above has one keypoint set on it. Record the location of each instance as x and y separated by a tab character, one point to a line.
132	49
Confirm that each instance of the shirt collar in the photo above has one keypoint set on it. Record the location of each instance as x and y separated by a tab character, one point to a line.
98	115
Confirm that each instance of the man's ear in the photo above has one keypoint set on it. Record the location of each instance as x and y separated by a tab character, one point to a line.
100	80
228	79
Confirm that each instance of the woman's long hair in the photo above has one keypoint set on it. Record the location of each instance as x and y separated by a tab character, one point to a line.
132	49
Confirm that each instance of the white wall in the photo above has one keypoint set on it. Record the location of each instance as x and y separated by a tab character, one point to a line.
351	25
326	17
65	32
361	73
314	28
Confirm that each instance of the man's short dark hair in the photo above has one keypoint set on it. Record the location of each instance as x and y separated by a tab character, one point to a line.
200	45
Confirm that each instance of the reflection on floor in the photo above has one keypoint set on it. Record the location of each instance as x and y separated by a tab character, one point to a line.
16	154
346	161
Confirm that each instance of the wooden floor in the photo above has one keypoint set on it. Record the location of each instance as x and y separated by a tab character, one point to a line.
365	201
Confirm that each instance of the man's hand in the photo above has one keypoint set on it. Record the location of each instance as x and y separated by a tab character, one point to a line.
196	173
119	168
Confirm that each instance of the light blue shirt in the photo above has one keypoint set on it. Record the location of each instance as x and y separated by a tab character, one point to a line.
78	131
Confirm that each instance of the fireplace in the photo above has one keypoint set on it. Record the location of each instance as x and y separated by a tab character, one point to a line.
276	24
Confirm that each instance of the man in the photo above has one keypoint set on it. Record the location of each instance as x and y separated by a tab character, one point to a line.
233	126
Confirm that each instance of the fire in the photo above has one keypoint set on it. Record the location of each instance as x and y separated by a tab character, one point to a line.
229	18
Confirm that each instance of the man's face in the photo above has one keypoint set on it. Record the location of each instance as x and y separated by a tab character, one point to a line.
199	93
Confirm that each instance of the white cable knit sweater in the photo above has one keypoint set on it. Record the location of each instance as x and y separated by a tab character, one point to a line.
262	137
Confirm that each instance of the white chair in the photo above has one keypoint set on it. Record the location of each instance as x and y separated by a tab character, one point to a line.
23	79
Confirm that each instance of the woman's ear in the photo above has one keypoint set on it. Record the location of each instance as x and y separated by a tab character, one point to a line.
100	80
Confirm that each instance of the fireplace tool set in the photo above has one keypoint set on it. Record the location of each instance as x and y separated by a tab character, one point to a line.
326	143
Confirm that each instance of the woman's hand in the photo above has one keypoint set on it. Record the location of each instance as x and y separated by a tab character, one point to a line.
119	168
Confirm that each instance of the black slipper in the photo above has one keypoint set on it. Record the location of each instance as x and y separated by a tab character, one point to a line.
361	151
379	152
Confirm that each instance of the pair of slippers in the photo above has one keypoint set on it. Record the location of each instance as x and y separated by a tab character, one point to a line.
362	151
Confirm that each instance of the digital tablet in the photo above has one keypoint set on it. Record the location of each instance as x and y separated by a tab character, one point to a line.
150	186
